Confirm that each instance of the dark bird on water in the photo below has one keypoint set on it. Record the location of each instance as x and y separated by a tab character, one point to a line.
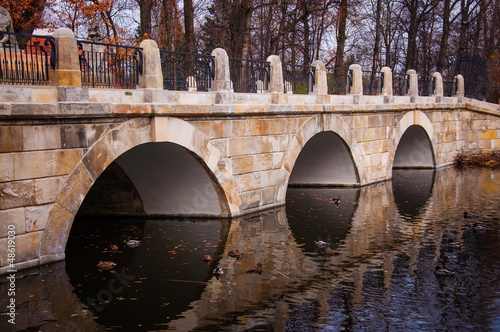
255	269
470	215
337	199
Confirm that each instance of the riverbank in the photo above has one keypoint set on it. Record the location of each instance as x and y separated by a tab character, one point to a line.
481	159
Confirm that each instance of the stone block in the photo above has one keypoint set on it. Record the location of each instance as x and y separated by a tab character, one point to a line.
36	164
48	189
12	218
44	95
36	217
251	199
16	194
34	109
41	138
268	196
73	136
80	94
75	189
6	167
243	164
11	138
236	146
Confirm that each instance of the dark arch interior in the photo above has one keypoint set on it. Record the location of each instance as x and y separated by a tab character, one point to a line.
324	160
155	179
414	149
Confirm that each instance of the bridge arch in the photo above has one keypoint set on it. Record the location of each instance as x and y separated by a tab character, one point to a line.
108	148
320	124
413	142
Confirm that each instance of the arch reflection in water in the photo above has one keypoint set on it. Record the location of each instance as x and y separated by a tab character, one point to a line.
412	190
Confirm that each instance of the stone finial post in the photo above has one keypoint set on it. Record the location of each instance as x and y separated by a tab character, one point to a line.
67	70
222	81
413	87
151	77
320	81
357	80
438	85
387	87
276	74
460	92
276	84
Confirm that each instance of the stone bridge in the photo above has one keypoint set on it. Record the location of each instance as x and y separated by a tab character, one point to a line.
66	149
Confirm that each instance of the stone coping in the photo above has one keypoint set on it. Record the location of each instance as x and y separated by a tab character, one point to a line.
20	102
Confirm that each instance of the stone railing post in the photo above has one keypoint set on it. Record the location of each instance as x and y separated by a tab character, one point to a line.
387	87
438	85
320	81
67	70
357	80
460	93
221	82
152	77
276	85
413	86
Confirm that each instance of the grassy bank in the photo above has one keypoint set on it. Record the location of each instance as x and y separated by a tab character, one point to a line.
486	159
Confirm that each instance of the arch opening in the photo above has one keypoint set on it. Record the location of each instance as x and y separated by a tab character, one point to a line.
414	149
325	160
155	179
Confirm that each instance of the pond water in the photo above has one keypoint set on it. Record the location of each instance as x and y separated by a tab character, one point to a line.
388	239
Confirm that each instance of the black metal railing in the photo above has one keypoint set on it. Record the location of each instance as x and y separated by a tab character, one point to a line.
400	84
185	71
372	82
426	85
249	75
26	59
300	77
336	79
109	66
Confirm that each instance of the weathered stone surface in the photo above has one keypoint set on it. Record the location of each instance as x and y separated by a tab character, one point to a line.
41	138
11	138
36	217
6	167
16	194
12	219
47	189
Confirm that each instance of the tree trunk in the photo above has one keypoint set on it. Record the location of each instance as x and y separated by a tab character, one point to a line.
443	47
376	48
412	36
145	14
339	63
189	26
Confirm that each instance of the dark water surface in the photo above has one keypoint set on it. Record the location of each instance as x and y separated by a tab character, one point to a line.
389	238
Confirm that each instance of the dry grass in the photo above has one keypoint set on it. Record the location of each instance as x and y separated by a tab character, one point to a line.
484	159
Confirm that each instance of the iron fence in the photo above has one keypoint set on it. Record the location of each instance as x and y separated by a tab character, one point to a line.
373	82
336	79
109	66
26	59
449	87
249	75
186	71
300	78
400	84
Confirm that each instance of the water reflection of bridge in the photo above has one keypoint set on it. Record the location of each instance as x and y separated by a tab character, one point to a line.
292	276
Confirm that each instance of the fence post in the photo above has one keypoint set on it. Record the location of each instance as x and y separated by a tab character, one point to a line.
460	93
276	84
387	87
151	77
438	86
320	82
67	70
221	81
413	87
357	80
